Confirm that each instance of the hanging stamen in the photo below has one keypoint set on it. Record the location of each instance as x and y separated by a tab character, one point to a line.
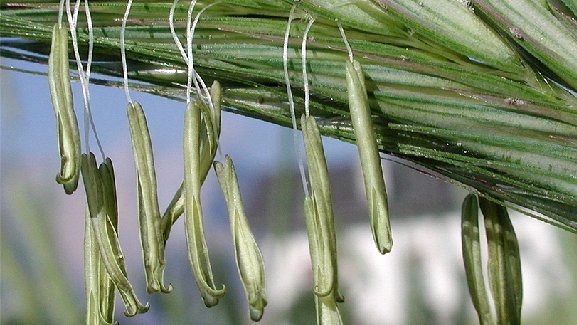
504	266
319	213
368	153
176	206
248	256
471	248
62	102
148	207
199	150
194	228
211	129
108	246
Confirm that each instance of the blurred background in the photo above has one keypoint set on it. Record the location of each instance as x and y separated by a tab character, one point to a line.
421	282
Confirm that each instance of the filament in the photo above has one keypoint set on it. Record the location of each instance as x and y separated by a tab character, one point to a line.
292	104
83	76
304	66
123	51
348	46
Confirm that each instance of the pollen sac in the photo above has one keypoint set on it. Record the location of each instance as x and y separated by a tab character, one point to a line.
369	155
210	132
319	215
62	102
193	218
249	259
104	236
148	209
504	263
472	258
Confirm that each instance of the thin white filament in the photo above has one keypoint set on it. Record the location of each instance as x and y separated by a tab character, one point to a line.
88	122
198	81
61	12
189	60
173	32
88	70
304	66
90	39
292	103
347	45
187	54
123	51
194	77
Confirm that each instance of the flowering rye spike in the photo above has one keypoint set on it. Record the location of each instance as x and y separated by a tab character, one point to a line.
248	256
504	263
148	210
369	155
471	248
108	246
194	229
62	102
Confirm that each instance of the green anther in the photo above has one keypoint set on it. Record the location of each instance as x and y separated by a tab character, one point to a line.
322	206
62	102
369	154
320	249
208	150
249	259
108	246
216	95
472	259
99	304
194	229
148	209
504	263
327	311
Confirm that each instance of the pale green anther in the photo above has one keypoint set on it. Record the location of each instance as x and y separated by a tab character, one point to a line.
216	95
148	209
194	229
248	256
472	259
108	246
62	102
321	204
176	207
107	288
320	249
369	155
99	308
504	263
327	311
207	134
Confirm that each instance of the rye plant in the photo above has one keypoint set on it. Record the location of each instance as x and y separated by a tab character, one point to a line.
480	93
